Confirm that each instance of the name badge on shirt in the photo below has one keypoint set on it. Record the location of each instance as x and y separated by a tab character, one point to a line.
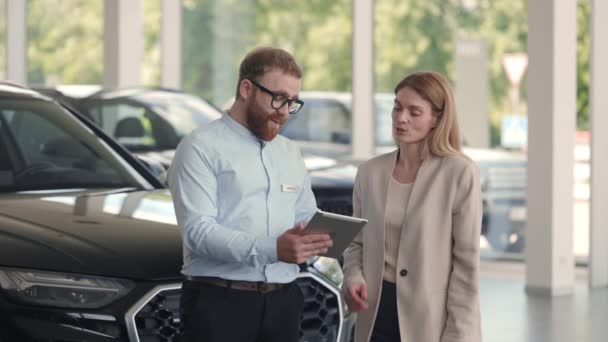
289	188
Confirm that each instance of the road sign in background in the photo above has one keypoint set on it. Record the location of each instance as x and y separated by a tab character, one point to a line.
514	131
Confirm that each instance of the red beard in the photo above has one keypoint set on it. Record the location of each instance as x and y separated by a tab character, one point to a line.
259	122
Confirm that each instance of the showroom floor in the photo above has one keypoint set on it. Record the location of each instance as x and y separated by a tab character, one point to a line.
510	315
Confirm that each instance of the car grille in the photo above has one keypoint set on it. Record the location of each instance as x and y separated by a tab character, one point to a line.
321	316
155	318
158	320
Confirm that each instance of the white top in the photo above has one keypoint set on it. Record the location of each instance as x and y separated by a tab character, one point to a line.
394	217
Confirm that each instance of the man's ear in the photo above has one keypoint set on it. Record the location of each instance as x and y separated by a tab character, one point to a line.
245	88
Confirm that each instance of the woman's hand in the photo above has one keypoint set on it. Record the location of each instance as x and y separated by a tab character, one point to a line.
356	297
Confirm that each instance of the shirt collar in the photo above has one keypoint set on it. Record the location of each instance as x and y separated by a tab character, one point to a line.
242	130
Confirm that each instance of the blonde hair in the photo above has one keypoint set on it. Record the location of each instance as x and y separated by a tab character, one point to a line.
444	139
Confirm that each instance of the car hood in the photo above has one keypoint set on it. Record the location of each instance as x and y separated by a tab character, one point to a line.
119	233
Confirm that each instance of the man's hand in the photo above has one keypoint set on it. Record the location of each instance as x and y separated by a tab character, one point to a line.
356	297
294	247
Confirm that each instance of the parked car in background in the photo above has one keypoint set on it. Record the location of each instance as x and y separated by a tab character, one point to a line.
147	121
323	127
89	245
151	122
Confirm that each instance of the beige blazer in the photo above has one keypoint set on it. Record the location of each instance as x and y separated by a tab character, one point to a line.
438	299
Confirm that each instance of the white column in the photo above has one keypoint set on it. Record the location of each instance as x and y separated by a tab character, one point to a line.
16	38
171	44
123	43
552	119
598	254
363	80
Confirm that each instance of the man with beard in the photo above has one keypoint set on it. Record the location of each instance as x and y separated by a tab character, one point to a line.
242	196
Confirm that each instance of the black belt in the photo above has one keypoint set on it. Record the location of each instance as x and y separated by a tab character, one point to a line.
237	284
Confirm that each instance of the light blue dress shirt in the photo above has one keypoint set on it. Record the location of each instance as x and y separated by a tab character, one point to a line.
234	195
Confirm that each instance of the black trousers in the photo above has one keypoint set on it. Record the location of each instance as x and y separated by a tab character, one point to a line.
212	313
386	326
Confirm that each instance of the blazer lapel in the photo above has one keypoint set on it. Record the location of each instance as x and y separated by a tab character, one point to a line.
385	174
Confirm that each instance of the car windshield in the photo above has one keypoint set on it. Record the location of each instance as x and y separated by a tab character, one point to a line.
185	112
44	147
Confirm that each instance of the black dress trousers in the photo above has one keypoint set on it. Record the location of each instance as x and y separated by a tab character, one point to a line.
211	313
386	326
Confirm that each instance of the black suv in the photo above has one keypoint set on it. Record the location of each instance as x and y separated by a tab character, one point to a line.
89	246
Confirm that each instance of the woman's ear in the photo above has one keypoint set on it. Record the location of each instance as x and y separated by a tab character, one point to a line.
436	119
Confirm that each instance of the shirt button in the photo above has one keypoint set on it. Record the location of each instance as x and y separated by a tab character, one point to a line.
403	272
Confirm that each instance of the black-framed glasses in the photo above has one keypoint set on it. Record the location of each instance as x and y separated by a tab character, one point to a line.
279	100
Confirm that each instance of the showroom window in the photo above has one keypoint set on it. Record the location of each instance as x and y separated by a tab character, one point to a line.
150	69
479	45
217	34
65	42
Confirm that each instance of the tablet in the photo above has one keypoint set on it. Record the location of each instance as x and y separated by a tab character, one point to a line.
342	230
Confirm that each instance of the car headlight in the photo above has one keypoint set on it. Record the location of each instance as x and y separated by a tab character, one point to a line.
62	289
330	268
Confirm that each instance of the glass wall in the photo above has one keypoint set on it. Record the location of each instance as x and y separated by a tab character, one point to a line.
65	42
217	34
150	72
479	45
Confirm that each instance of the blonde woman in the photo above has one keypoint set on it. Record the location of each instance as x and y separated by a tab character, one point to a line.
413	272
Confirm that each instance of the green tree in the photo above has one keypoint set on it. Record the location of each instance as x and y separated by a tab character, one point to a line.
150	71
317	32
410	36
197	42
583	49
65	51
